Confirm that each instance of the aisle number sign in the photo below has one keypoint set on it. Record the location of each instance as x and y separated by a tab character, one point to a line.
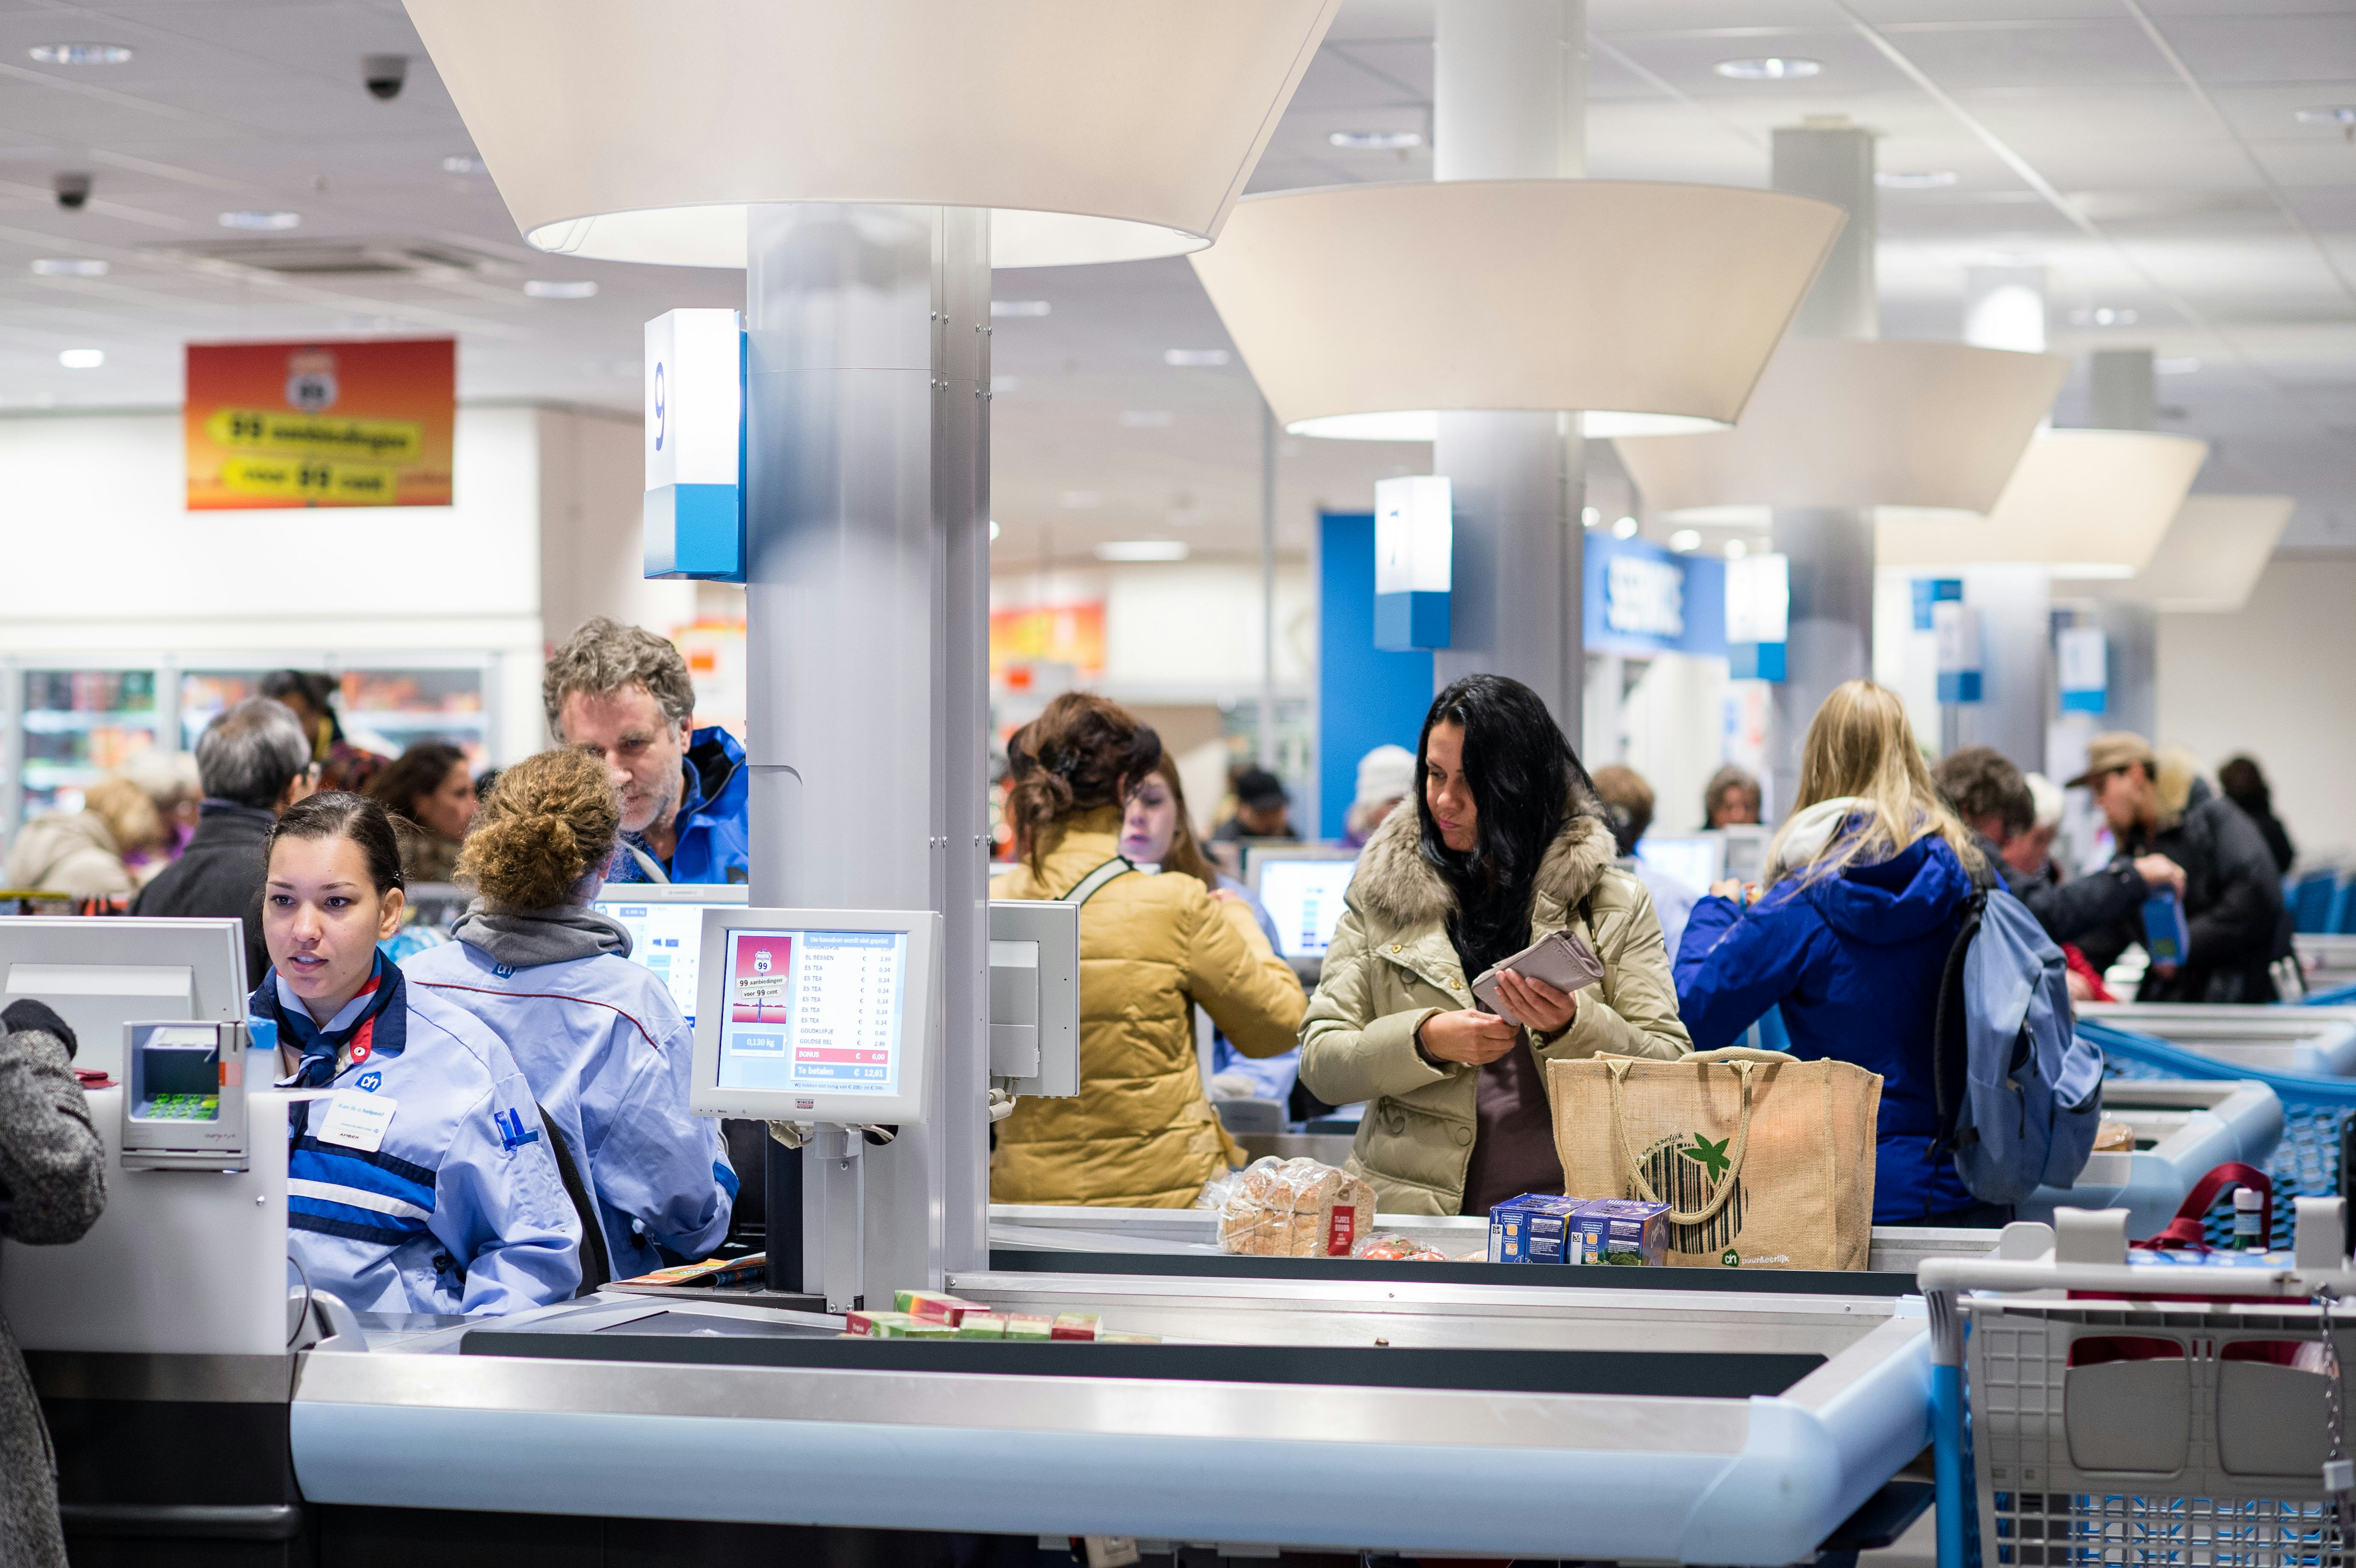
368	423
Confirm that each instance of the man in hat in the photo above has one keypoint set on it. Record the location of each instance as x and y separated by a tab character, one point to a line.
2233	897
1262	808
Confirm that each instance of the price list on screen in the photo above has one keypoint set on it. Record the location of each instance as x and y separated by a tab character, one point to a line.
847	996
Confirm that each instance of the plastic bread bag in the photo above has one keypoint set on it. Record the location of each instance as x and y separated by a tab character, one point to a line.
1295	1208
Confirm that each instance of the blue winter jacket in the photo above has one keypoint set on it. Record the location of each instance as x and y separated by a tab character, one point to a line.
608	1056
713	843
1853	962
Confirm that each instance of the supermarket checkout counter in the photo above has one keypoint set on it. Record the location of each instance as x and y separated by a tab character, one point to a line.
2267	1038
2182	1129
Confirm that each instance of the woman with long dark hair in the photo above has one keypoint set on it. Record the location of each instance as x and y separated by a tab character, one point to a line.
1507	842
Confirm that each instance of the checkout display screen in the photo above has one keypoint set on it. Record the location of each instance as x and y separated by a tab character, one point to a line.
814	1011
1304	898
666	938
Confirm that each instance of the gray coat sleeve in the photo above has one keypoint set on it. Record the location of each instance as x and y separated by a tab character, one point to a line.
52	1165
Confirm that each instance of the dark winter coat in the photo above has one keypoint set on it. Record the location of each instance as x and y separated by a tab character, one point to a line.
218	875
2069	910
2232	909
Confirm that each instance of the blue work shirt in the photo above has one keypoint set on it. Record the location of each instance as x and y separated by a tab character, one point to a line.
608	1056
713	845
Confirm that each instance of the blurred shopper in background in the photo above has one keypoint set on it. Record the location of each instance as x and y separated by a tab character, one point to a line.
1628	801
170	782
1141	1132
1155	831
1731	799
1262	808
599	1039
53	1168
2232	892
253	763
623	694
2245	785
1386	777
2032	852
430	794
311	695
1507	842
82	852
1993	799
1864	894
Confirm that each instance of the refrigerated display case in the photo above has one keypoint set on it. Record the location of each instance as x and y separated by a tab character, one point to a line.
74	725
385	709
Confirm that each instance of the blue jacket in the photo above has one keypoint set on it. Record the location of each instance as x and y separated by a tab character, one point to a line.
608	1057
713	844
460	1207
1853	962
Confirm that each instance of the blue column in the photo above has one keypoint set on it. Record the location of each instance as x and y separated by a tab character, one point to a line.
1365	696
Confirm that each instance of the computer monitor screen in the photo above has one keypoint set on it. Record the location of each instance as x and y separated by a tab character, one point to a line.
101	975
1305	897
666	927
814	1018
1695	861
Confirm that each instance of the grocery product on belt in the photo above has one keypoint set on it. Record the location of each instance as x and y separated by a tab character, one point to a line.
1073	1326
981	1326
1294	1208
1534	1228
1029	1326
1389	1246
1621	1230
894	1325
932	1306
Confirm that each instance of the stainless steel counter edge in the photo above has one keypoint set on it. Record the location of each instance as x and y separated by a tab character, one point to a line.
192	1377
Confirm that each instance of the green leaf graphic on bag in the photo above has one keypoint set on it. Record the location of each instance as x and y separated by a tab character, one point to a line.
1710	1156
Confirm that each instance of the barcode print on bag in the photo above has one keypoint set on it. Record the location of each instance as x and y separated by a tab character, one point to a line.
1684	1185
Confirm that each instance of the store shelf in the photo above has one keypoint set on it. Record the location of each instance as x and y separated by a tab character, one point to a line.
59	721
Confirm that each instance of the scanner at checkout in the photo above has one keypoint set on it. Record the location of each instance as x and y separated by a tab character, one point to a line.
184	1096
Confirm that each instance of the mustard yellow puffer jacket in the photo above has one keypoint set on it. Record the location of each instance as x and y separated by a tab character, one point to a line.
1141	1133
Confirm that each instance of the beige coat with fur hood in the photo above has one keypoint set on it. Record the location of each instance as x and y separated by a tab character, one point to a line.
1391	966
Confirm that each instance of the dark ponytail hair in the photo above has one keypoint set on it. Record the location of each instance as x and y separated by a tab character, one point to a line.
1084	753
1526	782
338	814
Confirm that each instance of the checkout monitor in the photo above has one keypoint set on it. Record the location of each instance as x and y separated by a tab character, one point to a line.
815	1015
666	926
1696	859
1302	889
101	975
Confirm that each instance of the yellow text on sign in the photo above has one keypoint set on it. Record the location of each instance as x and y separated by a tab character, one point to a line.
380	441
341	483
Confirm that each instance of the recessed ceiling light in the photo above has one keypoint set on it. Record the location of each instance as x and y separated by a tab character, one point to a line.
83	358
560	289
2102	315
1142	549
80	54
1196	357
1685	538
1768	68
1145	418
1913	179
1736	549
1376	141
2175	367
1625	529
2343	115
993	529
1020	307
265	220
68	267
462	164
1588	516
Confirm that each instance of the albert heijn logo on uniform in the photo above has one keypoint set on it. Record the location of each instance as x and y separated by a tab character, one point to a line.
513	1133
503	971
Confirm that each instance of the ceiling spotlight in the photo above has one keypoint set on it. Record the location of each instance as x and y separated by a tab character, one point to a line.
462	164
555	289
1376	141
2342	115
1194	357
68	267
1913	179
1020	307
79	54
1142	549
1588	516
2102	315
1768	68
1684	539
261	221
83	358
1625	529
1736	549
993	530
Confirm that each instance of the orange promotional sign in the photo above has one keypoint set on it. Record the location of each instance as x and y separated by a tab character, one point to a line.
1048	633
366	424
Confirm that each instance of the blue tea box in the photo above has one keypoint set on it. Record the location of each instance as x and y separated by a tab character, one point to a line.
2166	935
1532	1229
1619	1230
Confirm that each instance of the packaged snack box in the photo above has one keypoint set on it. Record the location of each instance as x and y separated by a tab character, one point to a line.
1619	1230
1110	1338
1073	1326
1029	1326
1532	1229
879	1324
981	1326
932	1306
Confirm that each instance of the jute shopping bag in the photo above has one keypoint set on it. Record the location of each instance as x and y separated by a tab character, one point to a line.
1765	1161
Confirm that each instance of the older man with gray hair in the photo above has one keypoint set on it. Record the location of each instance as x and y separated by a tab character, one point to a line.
623	695
252	763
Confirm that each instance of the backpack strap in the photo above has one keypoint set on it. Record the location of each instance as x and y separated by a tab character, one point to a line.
1950	1044
1087	887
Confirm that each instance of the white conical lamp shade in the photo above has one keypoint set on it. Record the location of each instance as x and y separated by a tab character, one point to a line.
1843	422
1384	300
626	130
2211	555
2081	503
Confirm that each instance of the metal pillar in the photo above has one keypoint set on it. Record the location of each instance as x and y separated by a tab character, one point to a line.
2004	307
867	403
2126	396
1830	549
1509	101
1268	747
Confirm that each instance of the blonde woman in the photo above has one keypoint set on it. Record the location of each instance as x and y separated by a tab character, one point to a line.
1864	890
81	852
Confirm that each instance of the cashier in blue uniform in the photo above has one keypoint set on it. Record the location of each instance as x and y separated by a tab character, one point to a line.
623	695
423	1183
603	1045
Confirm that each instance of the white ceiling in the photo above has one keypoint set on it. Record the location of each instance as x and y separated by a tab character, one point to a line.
2146	151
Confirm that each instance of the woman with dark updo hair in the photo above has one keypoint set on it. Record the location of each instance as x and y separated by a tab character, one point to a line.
1141	1133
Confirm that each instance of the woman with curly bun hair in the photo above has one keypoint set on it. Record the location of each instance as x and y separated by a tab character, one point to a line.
1141	1133
604	1046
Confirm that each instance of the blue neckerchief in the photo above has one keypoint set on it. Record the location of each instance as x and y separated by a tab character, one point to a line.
375	1021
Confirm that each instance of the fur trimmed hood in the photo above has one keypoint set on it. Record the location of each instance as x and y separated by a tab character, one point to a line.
1396	883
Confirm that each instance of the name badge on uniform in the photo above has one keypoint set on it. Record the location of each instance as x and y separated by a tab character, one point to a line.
357	1121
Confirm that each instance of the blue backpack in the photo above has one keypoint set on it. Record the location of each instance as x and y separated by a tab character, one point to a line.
2020	1094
